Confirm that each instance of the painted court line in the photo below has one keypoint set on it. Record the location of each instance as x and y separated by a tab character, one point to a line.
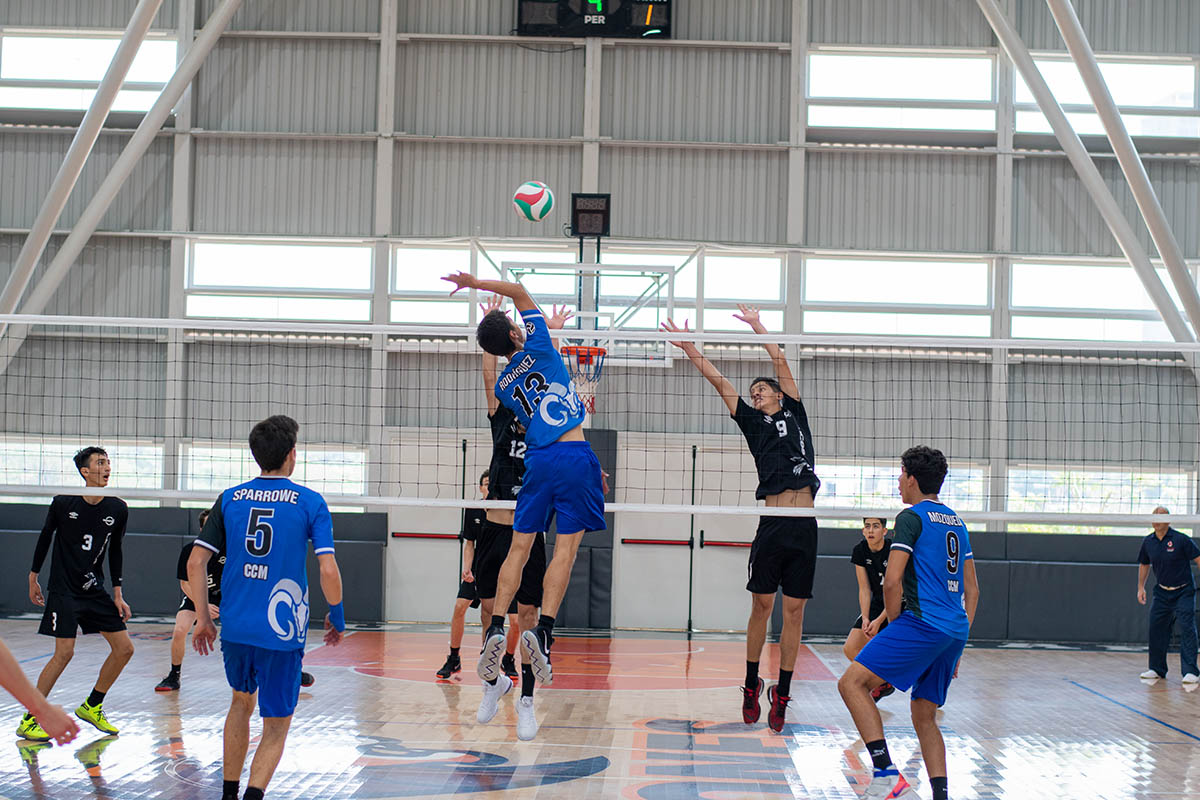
1136	711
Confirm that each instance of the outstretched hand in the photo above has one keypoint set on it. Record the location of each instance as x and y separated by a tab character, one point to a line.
494	303
749	315
670	327
560	316
462	280
204	637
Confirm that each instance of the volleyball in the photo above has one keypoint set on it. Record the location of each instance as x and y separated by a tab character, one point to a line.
533	201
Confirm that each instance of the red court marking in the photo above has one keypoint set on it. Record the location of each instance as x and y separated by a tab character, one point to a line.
579	663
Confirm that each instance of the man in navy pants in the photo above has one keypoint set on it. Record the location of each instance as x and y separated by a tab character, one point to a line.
1170	553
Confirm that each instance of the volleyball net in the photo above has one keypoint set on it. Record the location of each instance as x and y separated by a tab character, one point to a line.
1040	436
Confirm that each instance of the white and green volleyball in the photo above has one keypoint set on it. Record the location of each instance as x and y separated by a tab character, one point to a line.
533	201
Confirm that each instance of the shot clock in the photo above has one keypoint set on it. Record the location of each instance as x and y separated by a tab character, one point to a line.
650	19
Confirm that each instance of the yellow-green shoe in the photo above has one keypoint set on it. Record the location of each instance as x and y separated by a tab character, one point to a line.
30	730
29	752
95	716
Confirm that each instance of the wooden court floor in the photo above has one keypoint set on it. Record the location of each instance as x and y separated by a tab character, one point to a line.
646	717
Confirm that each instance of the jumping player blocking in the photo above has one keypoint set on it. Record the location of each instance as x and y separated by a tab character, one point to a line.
784	553
932	570
562	474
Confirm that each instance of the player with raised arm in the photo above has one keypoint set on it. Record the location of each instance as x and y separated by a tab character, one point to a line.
508	465
562	475
930	569
83	530
784	552
264	527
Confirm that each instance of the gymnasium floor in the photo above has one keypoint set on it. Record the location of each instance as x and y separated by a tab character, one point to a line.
647	717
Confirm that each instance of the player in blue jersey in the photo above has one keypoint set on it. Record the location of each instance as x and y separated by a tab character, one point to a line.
562	474
264	526
932	570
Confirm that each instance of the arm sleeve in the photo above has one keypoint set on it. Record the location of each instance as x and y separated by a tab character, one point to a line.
795	406
1193	551
116	556
1143	556
43	542
321	528
212	536
537	335
908	530
742	415
856	556
966	546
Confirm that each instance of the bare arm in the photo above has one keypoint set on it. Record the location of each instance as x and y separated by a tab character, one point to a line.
864	593
520	297
1143	573
52	718
205	634
722	384
893	582
468	560
783	370
331	578
970	589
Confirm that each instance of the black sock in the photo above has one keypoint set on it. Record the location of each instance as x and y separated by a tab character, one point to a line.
175	668
454	652
546	621
785	682
526	680
492	682
230	790
880	756
95	698
752	675
940	791
253	793
497	621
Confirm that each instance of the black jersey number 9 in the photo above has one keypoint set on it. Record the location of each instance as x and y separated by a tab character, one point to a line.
258	532
535	384
951	552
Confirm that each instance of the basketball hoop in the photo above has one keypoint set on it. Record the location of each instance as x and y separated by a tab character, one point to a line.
585	365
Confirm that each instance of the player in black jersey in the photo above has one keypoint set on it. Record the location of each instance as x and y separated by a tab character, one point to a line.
472	527
870	559
508	472
87	528
784	552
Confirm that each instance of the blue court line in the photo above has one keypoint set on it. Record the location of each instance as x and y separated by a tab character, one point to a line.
1136	711
34	658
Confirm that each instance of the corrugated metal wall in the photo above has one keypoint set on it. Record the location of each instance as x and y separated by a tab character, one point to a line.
29	161
496	18
299	187
918	23
80	13
714	95
723	195
901	201
459	89
300	86
300	15
1144	26
1053	213
738	21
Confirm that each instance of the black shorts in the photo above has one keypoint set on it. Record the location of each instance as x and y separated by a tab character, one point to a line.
874	611
91	613
490	551
187	605
784	555
466	591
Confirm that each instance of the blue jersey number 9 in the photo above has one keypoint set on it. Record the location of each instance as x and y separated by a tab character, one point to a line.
951	552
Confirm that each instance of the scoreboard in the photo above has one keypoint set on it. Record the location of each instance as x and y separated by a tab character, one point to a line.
648	19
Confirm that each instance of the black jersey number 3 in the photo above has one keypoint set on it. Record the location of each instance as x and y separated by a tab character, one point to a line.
258	532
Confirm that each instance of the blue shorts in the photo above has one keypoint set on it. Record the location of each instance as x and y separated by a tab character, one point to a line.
913	654
561	479
274	674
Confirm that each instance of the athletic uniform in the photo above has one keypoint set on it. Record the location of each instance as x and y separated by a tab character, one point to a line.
784	552
561	478
507	472
921	648
472	526
875	563
264	527
75	595
215	565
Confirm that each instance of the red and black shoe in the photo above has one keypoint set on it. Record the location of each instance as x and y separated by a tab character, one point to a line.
777	710
881	691
750	708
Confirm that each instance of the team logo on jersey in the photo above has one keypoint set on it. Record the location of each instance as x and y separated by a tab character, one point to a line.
294	625
108	521
530	328
73	515
559	404
1170	547
799	465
